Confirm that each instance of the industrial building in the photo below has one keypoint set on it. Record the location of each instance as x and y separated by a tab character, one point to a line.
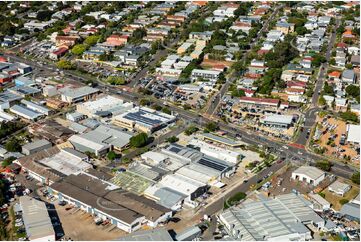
143	119
36	107
26	113
101	140
158	234
353	133
52	164
309	174
33	147
38	225
104	106
108	202
280	219
74	95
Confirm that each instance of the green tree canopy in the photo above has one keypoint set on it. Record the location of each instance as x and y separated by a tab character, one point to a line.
65	64
78	49
13	145
323	165
139	140
91	40
355	178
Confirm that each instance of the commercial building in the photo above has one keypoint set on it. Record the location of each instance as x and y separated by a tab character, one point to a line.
281	219
74	95
278	121
309	174
319	203
339	188
104	106
353	133
143	119
351	211
217	152
33	147
205	74
38	225
221	140
106	201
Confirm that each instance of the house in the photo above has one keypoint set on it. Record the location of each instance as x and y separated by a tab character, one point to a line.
348	76
207	35
285	27
309	174
355	60
334	76
339	188
66	40
117	40
55	55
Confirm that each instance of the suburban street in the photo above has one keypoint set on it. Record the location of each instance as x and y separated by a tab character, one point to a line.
311	113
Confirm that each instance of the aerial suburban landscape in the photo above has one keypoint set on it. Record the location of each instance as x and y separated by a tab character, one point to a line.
180	121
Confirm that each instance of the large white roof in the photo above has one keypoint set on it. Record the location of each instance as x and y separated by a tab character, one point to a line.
353	133
310	171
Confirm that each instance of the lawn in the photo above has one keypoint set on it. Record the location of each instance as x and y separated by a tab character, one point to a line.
234	199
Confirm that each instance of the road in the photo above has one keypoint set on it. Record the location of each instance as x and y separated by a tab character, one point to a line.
311	114
217	205
233	76
191	117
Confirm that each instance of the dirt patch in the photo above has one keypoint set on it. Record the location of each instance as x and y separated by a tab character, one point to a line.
81	226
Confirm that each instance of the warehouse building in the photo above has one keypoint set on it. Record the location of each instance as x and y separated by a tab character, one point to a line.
104	106
74	95
143	119
353	133
158	234
280	219
188	188
26	113
309	174
101	140
52	164
33	147
36	219
106	201
35	107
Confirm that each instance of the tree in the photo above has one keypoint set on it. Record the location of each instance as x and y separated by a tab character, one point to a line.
116	80
323	165
238	93
211	127
317	60
44	15
328	90
343	201
353	91
8	161
190	130
355	178
172	139
139	140
138	34
78	49
112	155
166	110
13	145
91	40
89	20
64	64
349	116
301	30
321	101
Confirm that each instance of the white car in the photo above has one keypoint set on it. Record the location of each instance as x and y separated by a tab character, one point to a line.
19	224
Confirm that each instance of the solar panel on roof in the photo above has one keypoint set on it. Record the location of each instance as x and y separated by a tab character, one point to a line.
213	165
175	149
